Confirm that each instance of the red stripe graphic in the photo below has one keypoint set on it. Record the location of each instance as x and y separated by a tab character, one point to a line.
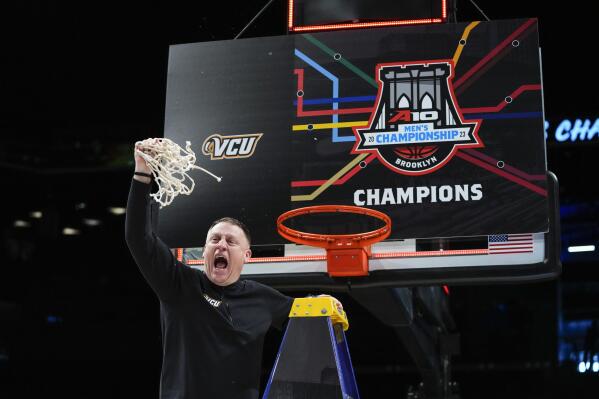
506	167
494	169
493	52
503	103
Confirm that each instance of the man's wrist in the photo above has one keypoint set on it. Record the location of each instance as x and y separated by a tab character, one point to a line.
142	177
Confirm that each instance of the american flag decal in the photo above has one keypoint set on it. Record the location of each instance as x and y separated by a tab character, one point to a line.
510	243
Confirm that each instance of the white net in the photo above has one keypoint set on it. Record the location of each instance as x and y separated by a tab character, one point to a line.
169	164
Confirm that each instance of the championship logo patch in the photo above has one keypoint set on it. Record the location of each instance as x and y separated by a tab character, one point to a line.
416	126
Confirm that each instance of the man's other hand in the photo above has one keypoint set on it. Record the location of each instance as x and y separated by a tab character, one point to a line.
335	300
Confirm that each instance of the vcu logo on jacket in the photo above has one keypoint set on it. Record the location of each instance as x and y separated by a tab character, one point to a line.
212	301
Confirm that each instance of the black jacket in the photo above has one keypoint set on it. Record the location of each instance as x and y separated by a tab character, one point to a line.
212	336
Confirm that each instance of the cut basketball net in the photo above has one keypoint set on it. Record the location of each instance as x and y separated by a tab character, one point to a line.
169	164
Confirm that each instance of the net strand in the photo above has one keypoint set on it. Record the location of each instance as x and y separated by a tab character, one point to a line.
169	164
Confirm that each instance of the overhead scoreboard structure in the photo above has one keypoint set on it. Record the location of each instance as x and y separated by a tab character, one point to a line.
441	127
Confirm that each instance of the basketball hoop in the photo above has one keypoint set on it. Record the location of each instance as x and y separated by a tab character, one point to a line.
347	254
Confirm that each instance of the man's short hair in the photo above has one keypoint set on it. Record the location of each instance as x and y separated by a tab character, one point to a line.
235	222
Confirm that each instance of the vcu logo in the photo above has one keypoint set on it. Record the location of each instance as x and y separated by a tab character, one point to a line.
227	147
212	301
416	126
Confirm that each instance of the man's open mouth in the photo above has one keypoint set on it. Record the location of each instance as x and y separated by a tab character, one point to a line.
220	262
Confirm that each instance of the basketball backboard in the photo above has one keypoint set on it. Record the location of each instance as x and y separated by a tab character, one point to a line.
440	127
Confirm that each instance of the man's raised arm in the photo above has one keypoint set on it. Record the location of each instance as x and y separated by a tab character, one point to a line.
153	257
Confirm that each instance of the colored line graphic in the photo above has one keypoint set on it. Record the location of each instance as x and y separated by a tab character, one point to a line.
335	80
497	171
342	60
300	102
506	167
318	126
463	41
329	76
515	94
356	169
339	100
490	56
506	115
334	178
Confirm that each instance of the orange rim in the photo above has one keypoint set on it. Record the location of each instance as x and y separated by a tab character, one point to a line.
334	240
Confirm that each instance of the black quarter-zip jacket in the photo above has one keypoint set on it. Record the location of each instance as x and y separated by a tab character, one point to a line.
212	336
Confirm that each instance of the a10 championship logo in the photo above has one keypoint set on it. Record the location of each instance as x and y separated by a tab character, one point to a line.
416	126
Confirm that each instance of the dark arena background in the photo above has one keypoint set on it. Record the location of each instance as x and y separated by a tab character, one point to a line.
81	82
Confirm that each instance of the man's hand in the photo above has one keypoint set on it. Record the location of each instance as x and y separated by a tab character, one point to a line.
336	301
